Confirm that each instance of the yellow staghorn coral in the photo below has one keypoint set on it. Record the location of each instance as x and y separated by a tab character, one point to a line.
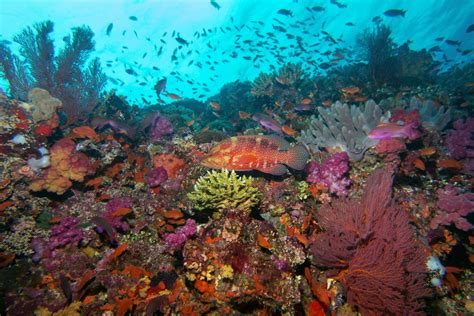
67	165
219	190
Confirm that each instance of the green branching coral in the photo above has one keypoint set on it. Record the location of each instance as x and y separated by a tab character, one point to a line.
219	190
291	74
263	85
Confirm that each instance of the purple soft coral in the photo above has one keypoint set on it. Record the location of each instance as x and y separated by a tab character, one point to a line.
156	177
177	239
460	141
331	173
160	126
453	207
113	205
66	232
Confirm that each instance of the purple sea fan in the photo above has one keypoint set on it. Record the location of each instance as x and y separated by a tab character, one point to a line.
156	177
66	232
370	247
453	207
331	173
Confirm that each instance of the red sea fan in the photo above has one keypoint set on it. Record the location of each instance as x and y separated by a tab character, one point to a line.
370	245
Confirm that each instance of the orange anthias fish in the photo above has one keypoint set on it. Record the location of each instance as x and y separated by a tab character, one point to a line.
173	96
268	154
85	132
215	105
350	90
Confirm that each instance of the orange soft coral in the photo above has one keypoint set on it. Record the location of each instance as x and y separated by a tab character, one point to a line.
170	162
66	165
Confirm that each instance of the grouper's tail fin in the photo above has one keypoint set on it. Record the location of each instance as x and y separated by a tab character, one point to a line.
297	157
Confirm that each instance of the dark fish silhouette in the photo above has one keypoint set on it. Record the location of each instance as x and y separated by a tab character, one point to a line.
318	9
338	4
453	42
215	4
285	12
109	29
133	18
395	12
66	287
182	41
470	28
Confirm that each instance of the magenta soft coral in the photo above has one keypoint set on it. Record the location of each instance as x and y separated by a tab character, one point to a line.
453	207
331	173
177	239
66	232
460	140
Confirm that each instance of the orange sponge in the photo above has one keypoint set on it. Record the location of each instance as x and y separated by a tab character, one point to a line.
170	162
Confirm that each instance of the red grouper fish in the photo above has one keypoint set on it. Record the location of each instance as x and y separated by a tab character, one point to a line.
268	154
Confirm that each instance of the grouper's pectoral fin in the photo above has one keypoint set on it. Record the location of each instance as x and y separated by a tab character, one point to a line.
276	170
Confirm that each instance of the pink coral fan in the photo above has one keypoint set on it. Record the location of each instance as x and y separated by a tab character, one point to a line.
66	165
177	239
371	248
453	207
331	173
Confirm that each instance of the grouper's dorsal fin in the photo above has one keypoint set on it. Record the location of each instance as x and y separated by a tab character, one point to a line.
282	144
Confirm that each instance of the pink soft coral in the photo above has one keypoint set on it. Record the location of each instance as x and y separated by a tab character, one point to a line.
453	207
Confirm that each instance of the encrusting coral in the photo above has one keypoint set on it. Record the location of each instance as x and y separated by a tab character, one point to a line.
220	190
66	165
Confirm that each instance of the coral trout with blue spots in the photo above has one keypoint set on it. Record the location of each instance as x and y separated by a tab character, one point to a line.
268	154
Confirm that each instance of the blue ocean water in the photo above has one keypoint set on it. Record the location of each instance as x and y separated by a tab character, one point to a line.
234	40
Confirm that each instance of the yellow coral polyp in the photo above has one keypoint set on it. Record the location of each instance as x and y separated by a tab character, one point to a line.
220	190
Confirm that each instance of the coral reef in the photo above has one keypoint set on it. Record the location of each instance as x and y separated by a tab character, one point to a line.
263	85
43	105
66	75
109	209
345	127
460	141
221	190
331	173
156	177
66	165
453	208
378	48
372	248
